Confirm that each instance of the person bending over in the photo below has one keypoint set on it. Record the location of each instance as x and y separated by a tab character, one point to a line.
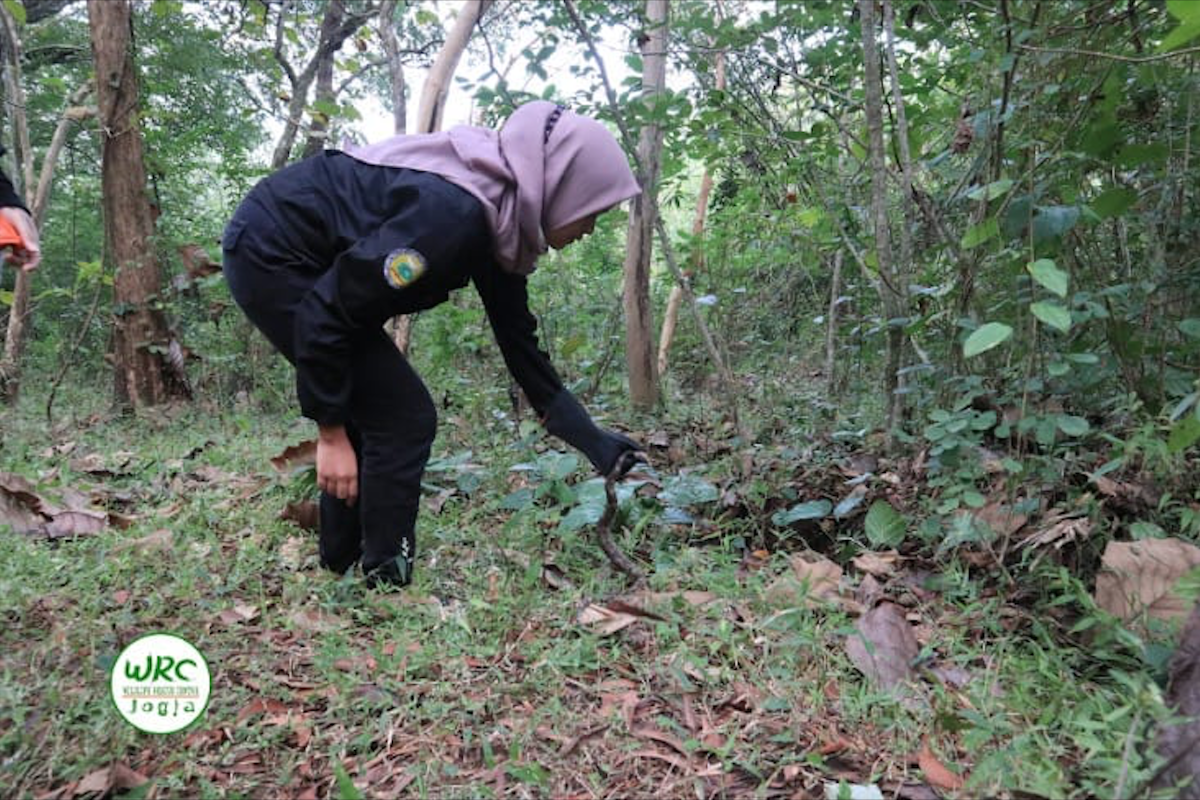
322	253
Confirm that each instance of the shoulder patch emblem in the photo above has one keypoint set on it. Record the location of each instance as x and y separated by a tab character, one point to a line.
403	267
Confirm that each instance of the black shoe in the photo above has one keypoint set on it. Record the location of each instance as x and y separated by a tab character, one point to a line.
339	557
395	573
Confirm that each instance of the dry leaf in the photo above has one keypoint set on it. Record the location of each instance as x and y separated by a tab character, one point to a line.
238	614
115	776
291	552
1001	519
17	515
76	523
1141	576
1059	532
607	621
820	575
881	565
691	597
296	455
437	501
869	591
159	540
936	772
304	513
885	646
314	621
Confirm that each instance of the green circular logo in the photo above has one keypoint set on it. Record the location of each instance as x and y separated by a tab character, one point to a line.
160	683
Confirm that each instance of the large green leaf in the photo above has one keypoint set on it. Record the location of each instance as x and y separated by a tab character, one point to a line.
17	9
884	526
1072	425
1184	434
1053	315
813	509
1051	222
687	490
1190	327
1188	14
978	234
1047	273
1114	202
991	191
987	337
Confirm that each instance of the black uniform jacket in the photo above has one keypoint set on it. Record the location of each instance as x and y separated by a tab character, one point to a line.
381	241
8	194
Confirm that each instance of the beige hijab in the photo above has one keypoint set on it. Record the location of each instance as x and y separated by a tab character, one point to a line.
546	167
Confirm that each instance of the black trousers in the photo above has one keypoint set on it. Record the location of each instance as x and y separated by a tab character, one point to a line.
392	419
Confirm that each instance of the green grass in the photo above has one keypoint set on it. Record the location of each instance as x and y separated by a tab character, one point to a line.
478	680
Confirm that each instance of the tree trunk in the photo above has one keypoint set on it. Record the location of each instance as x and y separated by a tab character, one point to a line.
37	199
437	83
433	104
835	291
671	315
639	324
904	268
892	298
18	312
336	28
318	130
141	340
391	49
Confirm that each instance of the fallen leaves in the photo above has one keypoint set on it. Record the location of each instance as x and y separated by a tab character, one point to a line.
103	782
938	774
814	578
306	514
27	511
296	455
885	646
1139	577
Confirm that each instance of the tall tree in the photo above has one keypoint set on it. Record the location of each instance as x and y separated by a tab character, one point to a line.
639	325
892	290
143	373
336	27
671	314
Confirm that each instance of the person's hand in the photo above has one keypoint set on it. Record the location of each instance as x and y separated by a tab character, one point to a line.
28	256
337	465
617	454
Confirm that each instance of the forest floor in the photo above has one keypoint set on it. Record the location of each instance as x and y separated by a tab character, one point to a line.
758	660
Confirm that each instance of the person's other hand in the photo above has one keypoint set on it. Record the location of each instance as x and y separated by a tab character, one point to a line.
30	255
337	465
617	454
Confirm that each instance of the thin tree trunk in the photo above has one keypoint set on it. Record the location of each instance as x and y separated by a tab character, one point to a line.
391	49
671	315
14	340
689	298
437	83
18	312
318	129
639	324
891	297
336	28
141	340
904	268
433	104
831	323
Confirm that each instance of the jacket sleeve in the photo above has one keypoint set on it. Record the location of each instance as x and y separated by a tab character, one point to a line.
359	293
8	194
506	300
